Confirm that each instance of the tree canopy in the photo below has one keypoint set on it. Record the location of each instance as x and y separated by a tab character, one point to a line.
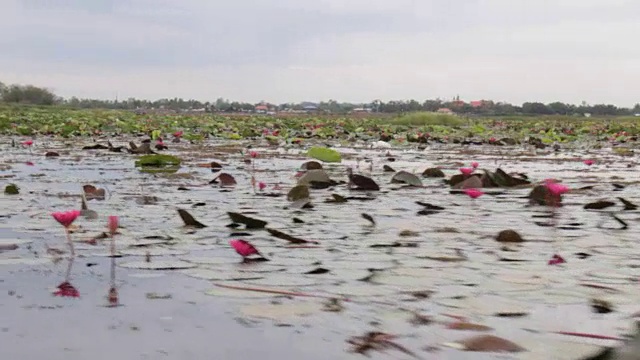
29	94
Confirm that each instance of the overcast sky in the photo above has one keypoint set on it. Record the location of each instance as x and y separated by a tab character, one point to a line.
349	50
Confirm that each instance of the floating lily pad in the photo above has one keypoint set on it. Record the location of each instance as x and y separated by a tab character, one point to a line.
324	154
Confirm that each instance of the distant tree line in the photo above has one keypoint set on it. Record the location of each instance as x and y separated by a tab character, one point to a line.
29	94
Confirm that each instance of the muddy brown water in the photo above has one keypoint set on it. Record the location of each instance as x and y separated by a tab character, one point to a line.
182	314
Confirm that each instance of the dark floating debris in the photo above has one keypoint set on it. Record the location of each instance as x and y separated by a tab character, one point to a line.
189	220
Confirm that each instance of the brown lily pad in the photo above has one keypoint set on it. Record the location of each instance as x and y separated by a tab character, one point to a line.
509	236
433	173
489	343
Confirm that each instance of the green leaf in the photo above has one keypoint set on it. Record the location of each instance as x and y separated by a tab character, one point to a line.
324	154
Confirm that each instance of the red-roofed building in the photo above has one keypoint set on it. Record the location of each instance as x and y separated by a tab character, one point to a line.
476	103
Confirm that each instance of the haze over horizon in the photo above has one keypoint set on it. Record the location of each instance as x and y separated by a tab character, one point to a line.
348	50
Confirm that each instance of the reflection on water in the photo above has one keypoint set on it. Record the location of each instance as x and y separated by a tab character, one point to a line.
66	289
112	294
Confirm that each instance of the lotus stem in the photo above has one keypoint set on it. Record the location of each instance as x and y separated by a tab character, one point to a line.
69	242
113	244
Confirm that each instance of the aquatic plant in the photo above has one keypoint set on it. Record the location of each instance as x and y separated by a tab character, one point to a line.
66	219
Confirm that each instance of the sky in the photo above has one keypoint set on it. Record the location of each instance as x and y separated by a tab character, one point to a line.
312	50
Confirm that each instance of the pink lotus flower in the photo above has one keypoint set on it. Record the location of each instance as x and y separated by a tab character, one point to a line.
556	260
475	164
253	154
178	133
555	188
66	218
65	289
244	248
473	193
27	143
29	163
466	171
261	185
112	224
589	162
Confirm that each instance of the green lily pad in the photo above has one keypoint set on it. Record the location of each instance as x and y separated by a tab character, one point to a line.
324	154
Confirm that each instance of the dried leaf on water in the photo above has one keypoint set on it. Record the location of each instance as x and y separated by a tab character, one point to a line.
338	199
378	341
91	192
599	205
315	178
369	218
387	168
467	326
433	173
628	205
405	177
509	236
11	189
489	343
429	206
311	165
600	306
318	271
189	220
249	222
362	182
298	192
333	305
292	239
224	179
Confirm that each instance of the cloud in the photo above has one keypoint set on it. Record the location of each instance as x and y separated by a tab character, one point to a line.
356	50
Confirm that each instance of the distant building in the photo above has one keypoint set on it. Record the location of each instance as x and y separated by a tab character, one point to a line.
445	111
476	103
261	109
